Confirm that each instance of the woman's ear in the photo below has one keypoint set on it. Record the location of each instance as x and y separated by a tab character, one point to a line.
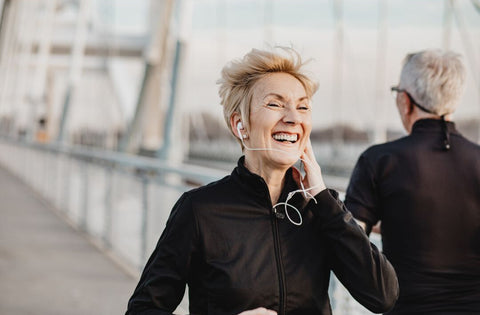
235	119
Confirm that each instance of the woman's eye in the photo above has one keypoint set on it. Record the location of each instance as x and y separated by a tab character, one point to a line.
303	107
273	105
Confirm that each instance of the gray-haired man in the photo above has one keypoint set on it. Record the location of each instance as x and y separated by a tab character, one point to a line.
425	189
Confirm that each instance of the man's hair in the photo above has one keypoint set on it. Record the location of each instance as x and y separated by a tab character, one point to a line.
435	79
240	75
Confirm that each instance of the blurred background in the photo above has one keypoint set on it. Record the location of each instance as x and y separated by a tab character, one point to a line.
109	108
128	75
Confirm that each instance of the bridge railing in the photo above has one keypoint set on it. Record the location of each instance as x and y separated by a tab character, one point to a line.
121	200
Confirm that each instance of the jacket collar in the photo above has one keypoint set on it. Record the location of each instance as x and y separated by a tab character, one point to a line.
256	185
432	125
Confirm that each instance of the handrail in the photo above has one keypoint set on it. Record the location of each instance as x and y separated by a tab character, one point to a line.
200	174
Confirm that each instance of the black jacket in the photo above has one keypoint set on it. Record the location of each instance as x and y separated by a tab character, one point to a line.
428	200
235	253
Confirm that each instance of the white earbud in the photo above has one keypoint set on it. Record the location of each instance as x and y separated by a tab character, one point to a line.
239	128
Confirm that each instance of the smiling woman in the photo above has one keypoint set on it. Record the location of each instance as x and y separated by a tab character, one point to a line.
235	242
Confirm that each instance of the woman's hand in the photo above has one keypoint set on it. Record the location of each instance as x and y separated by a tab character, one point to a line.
259	311
313	173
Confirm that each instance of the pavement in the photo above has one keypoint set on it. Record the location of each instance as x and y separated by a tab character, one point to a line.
46	266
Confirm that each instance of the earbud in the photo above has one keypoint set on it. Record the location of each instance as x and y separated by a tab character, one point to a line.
239	128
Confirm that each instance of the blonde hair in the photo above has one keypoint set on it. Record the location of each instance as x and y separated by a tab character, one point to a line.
240	75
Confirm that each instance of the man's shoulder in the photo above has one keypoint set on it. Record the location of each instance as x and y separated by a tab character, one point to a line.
387	148
467	143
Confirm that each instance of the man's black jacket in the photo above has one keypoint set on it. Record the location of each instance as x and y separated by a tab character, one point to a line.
428	200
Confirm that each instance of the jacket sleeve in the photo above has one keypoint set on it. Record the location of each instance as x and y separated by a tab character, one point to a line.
361	198
162	284
358	264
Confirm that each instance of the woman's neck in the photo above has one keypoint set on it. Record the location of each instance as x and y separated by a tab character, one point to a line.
273	176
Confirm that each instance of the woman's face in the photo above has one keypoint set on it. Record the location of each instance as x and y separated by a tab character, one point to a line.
280	119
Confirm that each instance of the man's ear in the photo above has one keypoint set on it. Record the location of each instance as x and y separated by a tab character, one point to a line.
406	106
409	106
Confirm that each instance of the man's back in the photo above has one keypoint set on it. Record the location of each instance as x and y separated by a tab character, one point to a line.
428	200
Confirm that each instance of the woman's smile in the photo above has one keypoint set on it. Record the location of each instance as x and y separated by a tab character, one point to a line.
285	137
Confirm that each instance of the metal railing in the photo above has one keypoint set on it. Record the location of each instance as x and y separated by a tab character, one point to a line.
122	200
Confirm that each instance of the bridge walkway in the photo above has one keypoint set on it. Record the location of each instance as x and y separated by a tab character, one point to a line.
48	267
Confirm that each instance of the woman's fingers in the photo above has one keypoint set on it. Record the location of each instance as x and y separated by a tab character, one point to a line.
309	151
312	170
259	311
309	157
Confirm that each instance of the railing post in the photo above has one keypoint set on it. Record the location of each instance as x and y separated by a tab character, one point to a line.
144	221
84	215
65	196
107	233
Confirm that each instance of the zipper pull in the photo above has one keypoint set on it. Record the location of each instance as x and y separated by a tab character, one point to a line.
279	215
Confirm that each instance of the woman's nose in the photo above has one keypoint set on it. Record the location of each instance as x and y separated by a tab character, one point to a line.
292	117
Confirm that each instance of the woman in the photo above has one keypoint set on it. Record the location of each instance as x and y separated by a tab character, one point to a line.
264	239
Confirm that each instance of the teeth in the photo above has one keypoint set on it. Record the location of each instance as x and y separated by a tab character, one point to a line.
285	137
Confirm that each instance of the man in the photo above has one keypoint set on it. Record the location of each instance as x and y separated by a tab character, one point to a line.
425	190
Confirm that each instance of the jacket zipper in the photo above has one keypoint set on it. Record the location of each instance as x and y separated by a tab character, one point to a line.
278	255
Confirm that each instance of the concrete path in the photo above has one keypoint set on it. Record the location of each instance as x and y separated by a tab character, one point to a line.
48	268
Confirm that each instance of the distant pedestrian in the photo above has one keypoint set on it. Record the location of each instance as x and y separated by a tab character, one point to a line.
425	190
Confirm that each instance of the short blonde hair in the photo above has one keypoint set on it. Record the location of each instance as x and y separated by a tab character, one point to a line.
240	75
